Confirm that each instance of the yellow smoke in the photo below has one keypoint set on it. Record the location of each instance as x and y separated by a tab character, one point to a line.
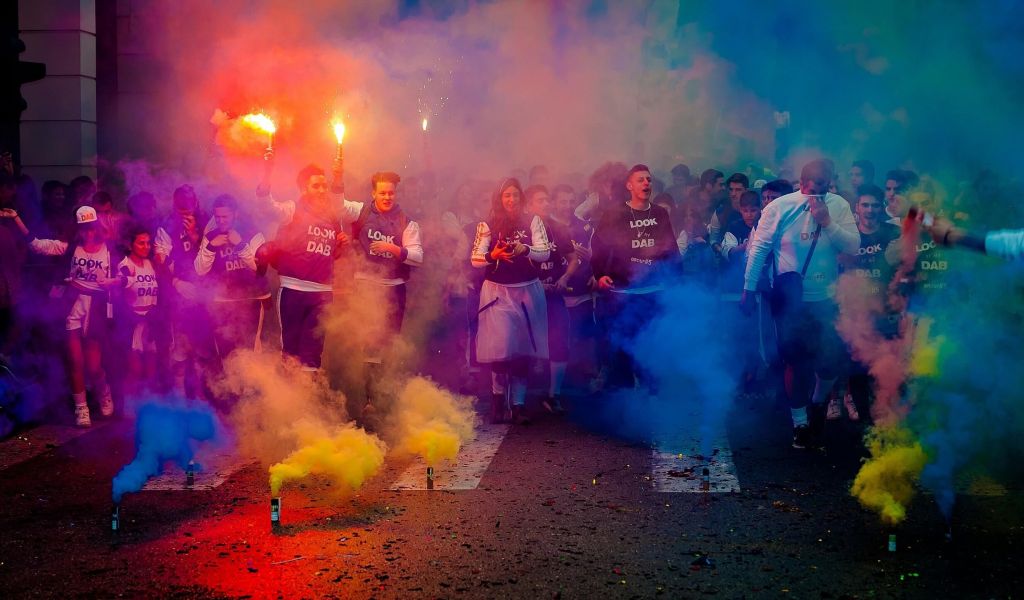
278	406
431	422
349	457
927	350
885	482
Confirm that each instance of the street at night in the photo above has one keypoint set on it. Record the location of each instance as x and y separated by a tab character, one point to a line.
511	299
558	511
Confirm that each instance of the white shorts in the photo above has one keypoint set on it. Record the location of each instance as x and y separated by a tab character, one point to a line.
142	335
87	314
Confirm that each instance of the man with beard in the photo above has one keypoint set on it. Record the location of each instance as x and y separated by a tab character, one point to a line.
304	252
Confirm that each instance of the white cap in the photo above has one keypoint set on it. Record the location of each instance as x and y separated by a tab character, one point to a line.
85	214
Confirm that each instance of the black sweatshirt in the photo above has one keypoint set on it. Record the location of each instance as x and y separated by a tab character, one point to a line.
629	243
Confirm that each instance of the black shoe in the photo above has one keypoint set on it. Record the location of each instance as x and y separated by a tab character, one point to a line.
801	437
519	415
498	409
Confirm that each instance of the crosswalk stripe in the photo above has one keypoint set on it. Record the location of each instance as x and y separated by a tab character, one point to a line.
32	443
682	472
216	468
467	469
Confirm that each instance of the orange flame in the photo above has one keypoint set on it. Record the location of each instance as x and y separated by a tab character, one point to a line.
260	122
339	131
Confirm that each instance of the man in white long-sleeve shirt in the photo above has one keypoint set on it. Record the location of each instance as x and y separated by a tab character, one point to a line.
820	224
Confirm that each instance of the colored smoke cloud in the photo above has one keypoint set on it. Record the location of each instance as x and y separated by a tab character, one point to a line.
294	423
166	430
689	350
885	483
430	422
277	404
348	456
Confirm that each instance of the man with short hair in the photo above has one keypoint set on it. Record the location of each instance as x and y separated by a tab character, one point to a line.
726	212
862	173
307	244
874	272
708	194
774	189
897	183
804	233
632	245
389	244
680	183
227	262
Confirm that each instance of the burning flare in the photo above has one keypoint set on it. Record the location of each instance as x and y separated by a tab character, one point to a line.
424	123
339	131
260	122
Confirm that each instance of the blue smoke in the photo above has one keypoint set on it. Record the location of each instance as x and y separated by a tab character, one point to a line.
165	431
968	416
689	353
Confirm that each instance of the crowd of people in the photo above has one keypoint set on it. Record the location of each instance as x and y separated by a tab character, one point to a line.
536	273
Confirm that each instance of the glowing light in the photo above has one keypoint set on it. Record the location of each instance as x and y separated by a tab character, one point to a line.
339	131
424	123
260	122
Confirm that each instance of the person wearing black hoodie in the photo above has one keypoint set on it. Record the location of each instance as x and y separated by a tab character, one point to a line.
633	245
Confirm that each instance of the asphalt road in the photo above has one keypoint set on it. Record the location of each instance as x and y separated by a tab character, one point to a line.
559	511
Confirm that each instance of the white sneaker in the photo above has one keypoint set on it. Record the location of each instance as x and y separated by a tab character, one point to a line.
106	404
82	416
851	408
833	412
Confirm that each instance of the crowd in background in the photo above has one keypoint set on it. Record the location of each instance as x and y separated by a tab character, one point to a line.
104	295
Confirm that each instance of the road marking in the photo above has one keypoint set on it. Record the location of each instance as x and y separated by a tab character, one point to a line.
30	444
467	470
217	466
682	471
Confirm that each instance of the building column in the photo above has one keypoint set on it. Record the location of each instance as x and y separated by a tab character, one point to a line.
58	131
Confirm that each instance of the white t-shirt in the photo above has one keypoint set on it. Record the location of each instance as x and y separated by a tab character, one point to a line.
141	290
88	268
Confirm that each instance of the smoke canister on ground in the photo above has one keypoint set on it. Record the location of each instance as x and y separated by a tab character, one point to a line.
190	474
430	478
275	511
115	518
705	480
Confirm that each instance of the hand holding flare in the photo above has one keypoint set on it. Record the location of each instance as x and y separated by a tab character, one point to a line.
261	122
